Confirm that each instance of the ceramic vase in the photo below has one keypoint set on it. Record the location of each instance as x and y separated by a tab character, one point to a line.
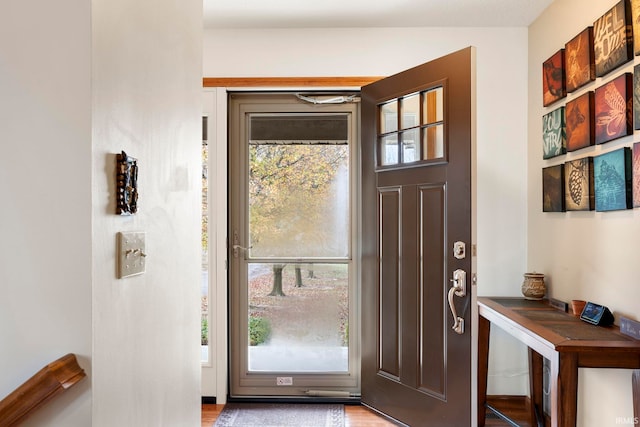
533	286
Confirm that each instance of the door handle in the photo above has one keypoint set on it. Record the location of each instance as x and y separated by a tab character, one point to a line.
236	245
458	289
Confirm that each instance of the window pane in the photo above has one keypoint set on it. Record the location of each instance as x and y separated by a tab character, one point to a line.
389	150
410	140
204	286
410	111
389	117
433	142
299	201
298	317
433	106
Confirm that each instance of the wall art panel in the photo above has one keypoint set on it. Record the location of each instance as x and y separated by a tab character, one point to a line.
612	178
613	38
580	66
554	135
578	189
553	189
580	122
554	85
614	109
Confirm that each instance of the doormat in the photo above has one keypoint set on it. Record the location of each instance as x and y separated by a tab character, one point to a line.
281	415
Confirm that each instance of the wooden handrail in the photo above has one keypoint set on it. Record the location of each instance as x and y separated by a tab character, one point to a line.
50	381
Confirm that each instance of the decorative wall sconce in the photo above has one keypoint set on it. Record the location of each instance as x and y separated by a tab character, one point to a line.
127	180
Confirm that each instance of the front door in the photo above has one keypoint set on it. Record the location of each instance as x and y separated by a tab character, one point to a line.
417	189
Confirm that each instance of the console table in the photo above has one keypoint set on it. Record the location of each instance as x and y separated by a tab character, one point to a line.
566	341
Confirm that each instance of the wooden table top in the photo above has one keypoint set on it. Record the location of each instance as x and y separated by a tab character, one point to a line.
560	330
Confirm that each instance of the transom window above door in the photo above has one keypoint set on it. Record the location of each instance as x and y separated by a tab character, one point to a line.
411	129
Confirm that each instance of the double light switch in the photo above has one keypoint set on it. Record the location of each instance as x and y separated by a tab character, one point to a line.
131	253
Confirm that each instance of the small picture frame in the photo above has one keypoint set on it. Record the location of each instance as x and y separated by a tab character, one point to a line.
613	38
580	122
553	189
127	184
612	180
580	66
554	85
613	109
578	185
554	136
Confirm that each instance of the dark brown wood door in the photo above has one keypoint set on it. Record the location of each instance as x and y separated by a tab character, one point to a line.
417	139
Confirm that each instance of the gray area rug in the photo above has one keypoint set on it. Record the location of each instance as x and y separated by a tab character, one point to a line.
281	415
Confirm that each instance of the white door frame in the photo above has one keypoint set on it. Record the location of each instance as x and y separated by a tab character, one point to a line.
214	371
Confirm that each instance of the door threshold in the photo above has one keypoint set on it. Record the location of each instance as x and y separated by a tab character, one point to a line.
355	400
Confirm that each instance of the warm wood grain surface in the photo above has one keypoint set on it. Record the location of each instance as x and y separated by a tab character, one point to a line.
357	81
565	340
47	383
361	416
355	416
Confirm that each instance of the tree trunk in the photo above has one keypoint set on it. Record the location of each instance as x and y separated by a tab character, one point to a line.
311	275
276	291
298	277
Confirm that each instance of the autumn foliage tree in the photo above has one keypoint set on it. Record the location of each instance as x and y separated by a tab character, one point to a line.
291	207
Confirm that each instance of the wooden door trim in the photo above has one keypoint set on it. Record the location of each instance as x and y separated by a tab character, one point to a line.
356	81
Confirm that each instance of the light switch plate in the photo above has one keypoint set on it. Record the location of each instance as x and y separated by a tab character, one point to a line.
131	253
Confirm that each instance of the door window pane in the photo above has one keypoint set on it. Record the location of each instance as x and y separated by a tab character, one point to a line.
433	106
298	317
410	111
433	142
389	117
389	149
298	200
410	145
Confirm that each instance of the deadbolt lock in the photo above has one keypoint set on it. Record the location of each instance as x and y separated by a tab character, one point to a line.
459	250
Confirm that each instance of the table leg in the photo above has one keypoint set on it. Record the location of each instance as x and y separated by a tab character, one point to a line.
535	387
553	389
484	328
568	389
635	385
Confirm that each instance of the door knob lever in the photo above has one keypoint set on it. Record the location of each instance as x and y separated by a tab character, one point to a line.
458	289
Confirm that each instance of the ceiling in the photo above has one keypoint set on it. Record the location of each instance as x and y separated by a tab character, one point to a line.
370	13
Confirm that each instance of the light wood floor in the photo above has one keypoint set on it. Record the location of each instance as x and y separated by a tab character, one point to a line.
355	416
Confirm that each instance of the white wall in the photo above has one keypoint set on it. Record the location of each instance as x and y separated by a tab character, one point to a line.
147	80
45	198
80	81
585	255
501	118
